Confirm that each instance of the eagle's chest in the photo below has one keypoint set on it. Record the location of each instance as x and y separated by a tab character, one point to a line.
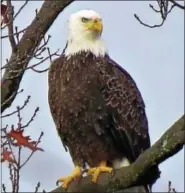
79	83
79	96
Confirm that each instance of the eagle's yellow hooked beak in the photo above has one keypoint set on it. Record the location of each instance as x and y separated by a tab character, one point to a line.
94	25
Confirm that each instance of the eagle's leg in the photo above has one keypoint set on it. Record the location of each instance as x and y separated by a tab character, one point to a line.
95	172
77	173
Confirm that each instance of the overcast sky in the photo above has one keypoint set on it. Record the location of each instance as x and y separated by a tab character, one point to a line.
154	58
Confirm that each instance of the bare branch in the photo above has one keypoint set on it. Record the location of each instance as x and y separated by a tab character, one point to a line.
14	34
43	60
15	138
37	187
170	189
12	176
177	4
18	170
4	188
163	9
10	98
38	141
20	108
49	53
40	71
21	8
44	44
147	25
31	119
154	9
27	46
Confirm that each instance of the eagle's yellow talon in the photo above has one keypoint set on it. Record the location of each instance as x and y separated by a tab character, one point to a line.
67	180
95	172
91	171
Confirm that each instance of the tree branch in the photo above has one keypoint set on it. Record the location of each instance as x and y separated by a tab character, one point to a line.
25	48
171	142
163	9
177	4
10	26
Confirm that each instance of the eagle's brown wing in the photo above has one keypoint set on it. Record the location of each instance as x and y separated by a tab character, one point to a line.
54	83
129	125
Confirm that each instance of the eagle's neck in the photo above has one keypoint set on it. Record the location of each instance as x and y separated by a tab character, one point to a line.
83	43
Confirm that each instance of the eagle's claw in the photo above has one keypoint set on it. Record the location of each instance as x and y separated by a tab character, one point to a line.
67	180
95	172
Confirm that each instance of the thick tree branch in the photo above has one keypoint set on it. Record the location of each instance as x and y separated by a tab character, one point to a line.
25	48
169	144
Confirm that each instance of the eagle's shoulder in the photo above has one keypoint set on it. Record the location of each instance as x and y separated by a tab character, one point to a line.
117	81
57	63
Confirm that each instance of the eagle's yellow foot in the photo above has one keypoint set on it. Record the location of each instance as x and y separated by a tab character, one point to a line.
95	172
77	173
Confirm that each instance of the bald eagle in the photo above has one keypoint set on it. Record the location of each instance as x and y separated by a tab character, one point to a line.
97	108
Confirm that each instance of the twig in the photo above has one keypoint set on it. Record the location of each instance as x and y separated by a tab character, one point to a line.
20	108
12	177
3	143
15	178
40	49
40	71
170	189
147	25
14	34
38	53
38	141
31	119
4	188
18	169
9	99
19	118
169	186
37	187
177	4
164	10
154	9
49	53
43	60
21	8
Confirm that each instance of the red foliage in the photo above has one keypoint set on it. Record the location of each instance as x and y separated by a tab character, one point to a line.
6	156
23	140
4	13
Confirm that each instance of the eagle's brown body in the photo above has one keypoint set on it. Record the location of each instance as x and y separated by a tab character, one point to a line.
97	108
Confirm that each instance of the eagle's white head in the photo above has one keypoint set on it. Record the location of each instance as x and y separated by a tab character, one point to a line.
85	29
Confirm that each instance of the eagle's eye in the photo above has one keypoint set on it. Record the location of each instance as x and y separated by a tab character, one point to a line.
84	19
